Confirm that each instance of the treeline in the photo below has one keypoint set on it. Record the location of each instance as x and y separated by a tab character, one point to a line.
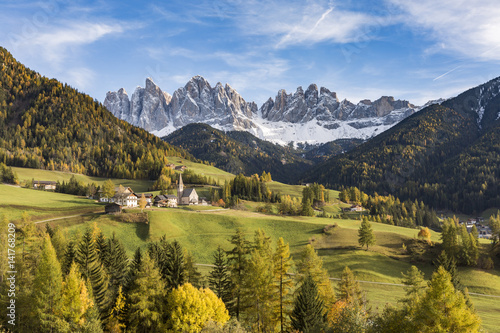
45	124
87	284
252	188
390	210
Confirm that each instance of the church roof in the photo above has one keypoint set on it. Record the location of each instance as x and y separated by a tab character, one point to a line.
187	192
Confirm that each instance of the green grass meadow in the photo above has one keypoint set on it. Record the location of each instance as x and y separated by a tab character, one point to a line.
41	204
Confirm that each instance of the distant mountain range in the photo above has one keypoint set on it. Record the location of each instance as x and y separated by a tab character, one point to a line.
311	116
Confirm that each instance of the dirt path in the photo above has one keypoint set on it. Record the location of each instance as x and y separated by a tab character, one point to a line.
66	217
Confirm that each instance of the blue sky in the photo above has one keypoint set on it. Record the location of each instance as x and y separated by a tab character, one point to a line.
414	50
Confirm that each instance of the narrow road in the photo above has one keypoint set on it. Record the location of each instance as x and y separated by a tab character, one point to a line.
65	217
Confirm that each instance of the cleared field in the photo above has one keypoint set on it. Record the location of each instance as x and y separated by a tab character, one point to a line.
41	204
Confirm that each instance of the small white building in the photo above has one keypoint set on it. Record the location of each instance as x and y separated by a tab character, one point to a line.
48	185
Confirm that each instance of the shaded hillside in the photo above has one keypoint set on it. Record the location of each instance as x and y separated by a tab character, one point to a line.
320	153
447	155
239	152
49	125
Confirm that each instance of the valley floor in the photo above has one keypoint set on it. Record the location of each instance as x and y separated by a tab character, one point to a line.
201	229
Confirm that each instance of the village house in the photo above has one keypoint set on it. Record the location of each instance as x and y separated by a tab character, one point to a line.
165	200
180	168
170	165
126	199
102	198
44	185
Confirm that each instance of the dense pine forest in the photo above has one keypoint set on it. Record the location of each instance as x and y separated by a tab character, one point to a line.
47	124
442	155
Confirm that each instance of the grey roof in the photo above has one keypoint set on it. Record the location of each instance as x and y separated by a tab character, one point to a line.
44	182
187	192
165	197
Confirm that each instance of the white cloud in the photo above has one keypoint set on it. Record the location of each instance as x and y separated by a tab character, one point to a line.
470	27
54	42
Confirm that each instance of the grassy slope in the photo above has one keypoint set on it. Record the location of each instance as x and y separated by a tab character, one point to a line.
207	170
37	174
40	204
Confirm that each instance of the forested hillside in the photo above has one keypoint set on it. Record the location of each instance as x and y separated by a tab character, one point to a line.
47	124
239	152
446	155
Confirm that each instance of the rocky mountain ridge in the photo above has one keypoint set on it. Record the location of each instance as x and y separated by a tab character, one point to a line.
312	116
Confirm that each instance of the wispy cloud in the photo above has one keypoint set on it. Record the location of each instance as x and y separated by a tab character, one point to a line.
295	23
52	43
469	27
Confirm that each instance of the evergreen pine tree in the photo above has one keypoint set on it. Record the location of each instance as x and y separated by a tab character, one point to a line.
348	288
308	313
193	276
91	268
147	298
219	279
69	257
307	209
449	264
414	284
365	234
238	259
173	267
311	264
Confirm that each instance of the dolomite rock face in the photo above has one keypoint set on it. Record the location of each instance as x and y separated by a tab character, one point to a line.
313	115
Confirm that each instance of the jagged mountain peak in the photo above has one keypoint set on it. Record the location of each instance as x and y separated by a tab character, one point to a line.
315	114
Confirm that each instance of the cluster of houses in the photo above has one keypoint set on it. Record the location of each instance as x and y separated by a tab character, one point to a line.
126	197
484	231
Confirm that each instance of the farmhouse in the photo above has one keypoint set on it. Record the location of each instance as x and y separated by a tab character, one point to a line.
125	199
165	200
180	167
44	185
117	189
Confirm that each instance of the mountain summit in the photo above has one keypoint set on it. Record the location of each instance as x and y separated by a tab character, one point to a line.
312	116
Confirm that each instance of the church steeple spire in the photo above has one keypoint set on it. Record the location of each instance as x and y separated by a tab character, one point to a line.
180	189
